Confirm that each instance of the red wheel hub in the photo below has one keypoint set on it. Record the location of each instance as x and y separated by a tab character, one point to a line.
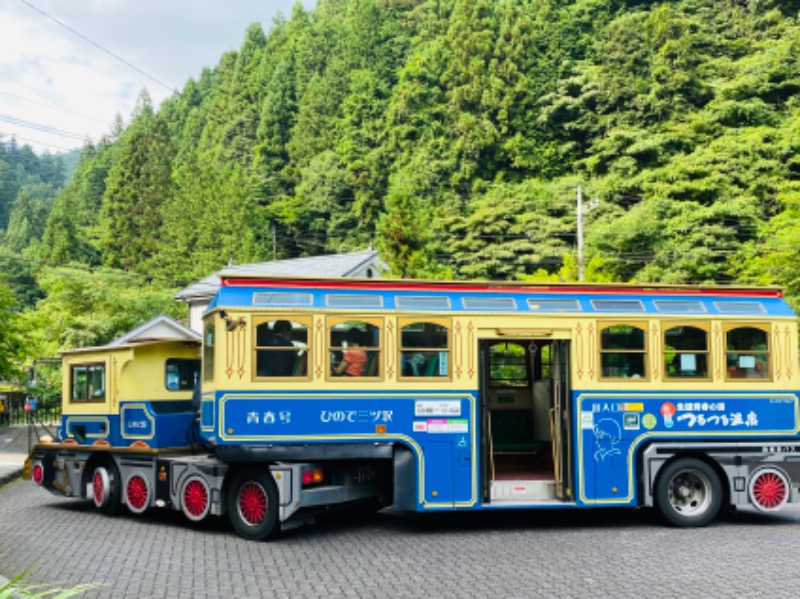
769	490
98	488
137	492
253	503
195	499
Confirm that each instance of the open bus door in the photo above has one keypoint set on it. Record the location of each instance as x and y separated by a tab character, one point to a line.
525	412
561	421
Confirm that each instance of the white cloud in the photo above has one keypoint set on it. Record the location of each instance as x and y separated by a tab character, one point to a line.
42	63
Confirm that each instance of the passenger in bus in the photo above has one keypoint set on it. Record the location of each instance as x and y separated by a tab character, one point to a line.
354	360
276	362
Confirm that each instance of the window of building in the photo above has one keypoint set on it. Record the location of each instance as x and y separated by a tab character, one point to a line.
354	347
747	352
181	374
208	350
424	348
509	365
686	352
281	346
88	382
622	351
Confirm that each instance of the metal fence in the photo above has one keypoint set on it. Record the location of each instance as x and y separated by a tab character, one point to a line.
15	412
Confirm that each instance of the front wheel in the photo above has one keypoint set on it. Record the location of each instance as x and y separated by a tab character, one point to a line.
688	493
252	503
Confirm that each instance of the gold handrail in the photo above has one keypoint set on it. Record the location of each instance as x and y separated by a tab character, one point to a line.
553	447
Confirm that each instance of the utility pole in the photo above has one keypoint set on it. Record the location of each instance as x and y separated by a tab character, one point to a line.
582	210
274	244
580	233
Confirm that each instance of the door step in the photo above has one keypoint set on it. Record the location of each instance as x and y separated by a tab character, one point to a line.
523	490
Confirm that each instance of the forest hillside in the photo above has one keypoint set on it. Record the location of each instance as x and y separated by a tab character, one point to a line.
450	134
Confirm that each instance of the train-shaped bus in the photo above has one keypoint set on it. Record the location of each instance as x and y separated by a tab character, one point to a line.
306	394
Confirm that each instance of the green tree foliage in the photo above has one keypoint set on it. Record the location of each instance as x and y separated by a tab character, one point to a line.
452	134
138	185
11	339
87	308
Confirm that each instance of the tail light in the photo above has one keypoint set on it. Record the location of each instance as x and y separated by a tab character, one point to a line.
313	476
37	474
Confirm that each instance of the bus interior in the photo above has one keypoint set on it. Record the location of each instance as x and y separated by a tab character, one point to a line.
525	390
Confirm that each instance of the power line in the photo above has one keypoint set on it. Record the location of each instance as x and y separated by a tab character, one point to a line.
98	46
34	141
42	128
52	106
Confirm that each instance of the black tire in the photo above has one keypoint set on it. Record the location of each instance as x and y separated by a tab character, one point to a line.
252	503
106	487
688	493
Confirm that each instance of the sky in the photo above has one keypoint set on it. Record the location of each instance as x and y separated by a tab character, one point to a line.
60	84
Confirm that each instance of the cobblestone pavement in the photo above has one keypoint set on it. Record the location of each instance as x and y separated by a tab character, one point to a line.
606	553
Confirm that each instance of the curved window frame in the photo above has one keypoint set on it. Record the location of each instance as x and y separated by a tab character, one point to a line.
447	323
331	322
642	325
267	318
702	326
727	328
87	396
209	341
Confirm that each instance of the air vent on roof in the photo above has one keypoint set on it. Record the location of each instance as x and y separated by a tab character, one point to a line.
618	305
740	307
554	305
489	303
682	306
419	302
281	299
353	301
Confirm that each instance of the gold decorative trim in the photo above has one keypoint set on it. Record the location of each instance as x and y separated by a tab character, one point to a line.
390	344
458	350
471	350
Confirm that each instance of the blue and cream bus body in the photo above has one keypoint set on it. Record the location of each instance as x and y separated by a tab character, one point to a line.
477	396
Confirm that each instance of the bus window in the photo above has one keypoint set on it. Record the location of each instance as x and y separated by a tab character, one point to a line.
686	352
208	351
747	353
88	382
508	365
622	352
424	349
181	374
281	347
354	347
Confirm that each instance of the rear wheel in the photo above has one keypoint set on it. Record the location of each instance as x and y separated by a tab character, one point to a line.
688	493
106	492
252	503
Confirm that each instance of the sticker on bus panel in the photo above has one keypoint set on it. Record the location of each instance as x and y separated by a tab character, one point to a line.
437	408
444	425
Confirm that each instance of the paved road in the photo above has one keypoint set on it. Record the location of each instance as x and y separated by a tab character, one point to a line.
608	553
513	554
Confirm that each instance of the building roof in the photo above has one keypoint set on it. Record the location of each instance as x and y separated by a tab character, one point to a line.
332	265
159	328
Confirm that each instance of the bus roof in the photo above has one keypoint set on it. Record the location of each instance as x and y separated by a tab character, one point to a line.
256	280
258	291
